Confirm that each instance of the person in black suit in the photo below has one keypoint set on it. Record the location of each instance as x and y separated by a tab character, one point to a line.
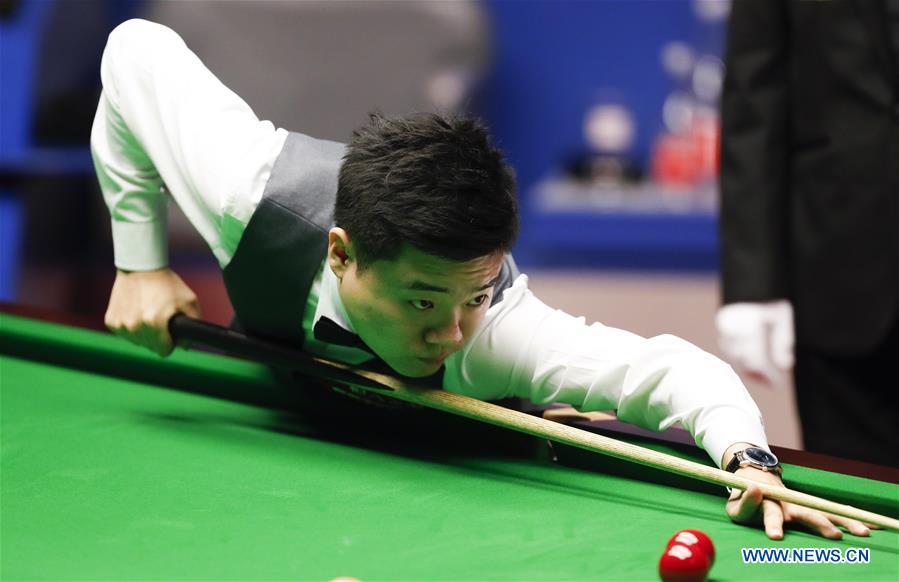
810	213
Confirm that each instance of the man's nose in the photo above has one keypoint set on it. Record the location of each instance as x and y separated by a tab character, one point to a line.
448	335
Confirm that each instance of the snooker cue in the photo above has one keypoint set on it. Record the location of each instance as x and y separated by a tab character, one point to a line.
215	336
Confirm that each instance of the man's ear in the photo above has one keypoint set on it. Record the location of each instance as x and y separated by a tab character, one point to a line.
340	251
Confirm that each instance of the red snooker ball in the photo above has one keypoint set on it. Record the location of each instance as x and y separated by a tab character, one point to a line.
683	564
694	537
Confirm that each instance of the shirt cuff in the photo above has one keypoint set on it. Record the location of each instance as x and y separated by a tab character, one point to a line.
731	426
140	246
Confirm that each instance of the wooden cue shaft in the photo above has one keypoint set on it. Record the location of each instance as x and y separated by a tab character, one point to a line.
512	419
236	342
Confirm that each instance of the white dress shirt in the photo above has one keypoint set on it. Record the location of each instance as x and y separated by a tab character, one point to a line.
165	126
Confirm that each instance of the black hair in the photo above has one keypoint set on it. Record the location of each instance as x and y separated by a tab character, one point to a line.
428	180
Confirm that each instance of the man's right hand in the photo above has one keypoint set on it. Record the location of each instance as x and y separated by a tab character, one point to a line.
757	338
141	304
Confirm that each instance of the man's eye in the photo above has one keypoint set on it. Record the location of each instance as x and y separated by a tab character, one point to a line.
421	304
479	300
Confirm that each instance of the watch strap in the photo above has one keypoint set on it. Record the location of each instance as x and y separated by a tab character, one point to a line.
734	463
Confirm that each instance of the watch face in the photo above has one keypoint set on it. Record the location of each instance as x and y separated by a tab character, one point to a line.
761	456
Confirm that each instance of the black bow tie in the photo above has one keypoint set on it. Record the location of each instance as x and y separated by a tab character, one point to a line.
329	332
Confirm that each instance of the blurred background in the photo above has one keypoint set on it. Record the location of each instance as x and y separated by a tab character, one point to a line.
607	110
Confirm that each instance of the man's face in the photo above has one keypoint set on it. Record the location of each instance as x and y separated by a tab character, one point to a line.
415	310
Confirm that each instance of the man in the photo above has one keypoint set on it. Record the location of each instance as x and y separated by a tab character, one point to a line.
809	214
407	265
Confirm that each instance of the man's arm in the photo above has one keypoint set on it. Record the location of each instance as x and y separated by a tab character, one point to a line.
527	349
524	348
165	126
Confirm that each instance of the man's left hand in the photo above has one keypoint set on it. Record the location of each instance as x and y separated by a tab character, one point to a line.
749	507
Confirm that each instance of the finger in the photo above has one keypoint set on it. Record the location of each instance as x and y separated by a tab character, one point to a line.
150	336
744	509
133	332
815	521
114	323
142	335
163	344
782	353
192	309
782	338
782	346
127	335
111	317
853	526
162	341
773	517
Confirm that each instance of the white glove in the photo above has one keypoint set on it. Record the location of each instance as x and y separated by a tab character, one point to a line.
757	338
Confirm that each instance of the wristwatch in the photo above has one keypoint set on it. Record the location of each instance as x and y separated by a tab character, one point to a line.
755	457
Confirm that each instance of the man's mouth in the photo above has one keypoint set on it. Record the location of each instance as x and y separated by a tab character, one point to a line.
435	361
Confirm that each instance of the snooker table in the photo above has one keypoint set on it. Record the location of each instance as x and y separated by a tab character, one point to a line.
117	464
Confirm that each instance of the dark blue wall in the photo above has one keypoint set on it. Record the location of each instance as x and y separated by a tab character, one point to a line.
553	59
